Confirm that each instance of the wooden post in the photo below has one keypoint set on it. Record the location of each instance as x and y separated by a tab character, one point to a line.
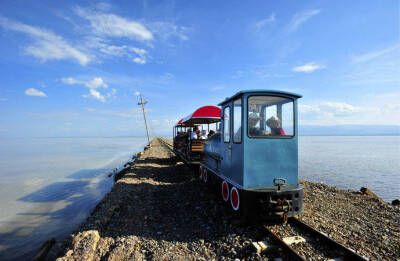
144	115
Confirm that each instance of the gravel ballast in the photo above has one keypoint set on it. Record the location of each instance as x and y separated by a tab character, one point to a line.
159	210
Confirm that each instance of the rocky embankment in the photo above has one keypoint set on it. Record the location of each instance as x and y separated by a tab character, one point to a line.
159	210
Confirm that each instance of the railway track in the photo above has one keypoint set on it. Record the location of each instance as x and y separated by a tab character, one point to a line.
166	143
300	241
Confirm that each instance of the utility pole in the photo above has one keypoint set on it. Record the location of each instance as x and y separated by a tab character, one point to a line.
144	115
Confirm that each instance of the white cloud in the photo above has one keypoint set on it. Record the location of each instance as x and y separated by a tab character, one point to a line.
262	72
130	113
96	83
217	88
104	28
103	6
46	45
95	95
336	108
167	30
92	85
383	111
331	113
70	81
115	26
114	50
339	108
139	51
303	108
238	74
375	54
111	94
162	124
124	50
380	69
34	92
167	76
300	18
270	20
139	60
308	68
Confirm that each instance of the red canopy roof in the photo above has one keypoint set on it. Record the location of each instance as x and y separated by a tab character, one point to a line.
184	124
205	114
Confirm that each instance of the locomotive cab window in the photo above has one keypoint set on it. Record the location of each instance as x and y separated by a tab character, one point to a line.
237	121
270	117
227	125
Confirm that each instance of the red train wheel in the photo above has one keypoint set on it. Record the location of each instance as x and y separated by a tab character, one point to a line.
225	190
235	199
205	175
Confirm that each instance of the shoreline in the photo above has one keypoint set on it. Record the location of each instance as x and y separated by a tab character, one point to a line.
140	218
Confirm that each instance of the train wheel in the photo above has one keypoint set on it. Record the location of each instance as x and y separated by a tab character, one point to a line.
225	190
205	175
201	173
235	199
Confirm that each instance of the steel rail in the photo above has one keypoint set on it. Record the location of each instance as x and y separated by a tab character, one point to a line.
289	250
349	254
169	146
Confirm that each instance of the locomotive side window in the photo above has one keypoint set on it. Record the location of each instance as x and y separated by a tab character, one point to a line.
227	125
237	121
270	117
287	118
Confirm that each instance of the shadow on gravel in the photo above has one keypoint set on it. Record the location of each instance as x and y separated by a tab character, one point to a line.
162	161
180	209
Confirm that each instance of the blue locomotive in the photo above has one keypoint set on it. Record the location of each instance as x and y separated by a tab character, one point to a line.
253	157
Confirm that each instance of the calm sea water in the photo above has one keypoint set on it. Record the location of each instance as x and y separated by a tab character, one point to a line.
50	185
352	162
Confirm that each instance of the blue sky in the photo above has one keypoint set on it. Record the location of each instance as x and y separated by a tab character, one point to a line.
72	68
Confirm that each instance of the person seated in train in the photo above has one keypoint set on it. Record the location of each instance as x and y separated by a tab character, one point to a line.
254	130
275	125
198	133
253	119
203	135
194	134
210	133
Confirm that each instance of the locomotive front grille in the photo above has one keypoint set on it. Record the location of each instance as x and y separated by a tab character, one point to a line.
289	203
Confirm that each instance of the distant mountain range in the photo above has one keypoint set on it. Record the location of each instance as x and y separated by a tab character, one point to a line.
350	130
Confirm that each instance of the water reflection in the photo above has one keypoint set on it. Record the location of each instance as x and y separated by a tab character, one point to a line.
50	185
57	209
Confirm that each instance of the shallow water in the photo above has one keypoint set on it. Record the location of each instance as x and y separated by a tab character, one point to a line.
50	185
352	162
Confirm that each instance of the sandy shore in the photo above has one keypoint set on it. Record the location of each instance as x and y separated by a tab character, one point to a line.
159	210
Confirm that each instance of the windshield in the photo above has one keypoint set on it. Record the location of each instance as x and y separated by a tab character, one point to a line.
270	116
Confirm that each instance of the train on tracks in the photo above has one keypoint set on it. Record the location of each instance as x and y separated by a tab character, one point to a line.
250	152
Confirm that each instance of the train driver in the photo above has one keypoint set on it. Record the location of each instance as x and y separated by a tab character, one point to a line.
254	130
